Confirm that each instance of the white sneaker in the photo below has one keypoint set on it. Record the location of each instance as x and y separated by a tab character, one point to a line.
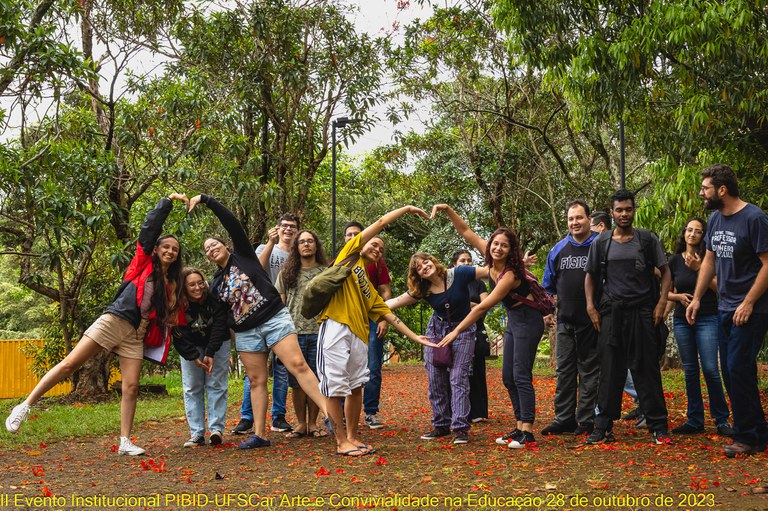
18	415
129	448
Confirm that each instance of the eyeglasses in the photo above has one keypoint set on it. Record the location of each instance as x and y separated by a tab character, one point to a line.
287	227
309	241
193	285
210	247
705	188
692	230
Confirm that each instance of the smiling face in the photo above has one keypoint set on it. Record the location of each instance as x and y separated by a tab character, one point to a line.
287	231
195	287
425	268
500	247
216	251
373	250
167	251
578	222
694	232
623	212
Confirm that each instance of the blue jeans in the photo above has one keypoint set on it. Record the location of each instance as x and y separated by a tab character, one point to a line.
308	346
196	385
279	392
372	389
279	387
739	346
700	342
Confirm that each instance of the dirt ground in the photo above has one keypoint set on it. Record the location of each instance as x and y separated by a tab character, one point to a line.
406	473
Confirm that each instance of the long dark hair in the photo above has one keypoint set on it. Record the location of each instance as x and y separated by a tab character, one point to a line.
459	253
186	272
514	260
292	267
701	248
418	287
161	302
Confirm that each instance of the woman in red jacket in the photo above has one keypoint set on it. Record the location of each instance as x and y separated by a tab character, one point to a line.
145	300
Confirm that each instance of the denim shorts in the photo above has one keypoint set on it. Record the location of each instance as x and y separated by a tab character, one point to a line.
261	338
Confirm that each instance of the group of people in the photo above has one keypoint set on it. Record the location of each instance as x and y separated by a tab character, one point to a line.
613	290
611	330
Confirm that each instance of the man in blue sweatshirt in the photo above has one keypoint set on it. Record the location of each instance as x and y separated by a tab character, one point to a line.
576	348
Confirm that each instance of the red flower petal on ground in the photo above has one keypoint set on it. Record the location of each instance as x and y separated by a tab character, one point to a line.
113	448
43	446
340	471
381	461
46	491
38	471
322	472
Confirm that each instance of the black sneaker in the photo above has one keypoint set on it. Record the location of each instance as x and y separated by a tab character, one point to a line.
436	433
633	415
243	427
460	436
504	440
216	437
584	429
280	425
557	428
521	441
600	435
195	441
687	429
725	429
661	438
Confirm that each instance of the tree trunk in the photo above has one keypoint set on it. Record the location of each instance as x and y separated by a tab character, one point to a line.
91	381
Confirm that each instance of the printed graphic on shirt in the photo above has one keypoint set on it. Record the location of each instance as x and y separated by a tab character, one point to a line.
723	243
362	281
573	262
239	291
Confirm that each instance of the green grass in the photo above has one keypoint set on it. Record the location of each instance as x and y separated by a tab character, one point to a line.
59	421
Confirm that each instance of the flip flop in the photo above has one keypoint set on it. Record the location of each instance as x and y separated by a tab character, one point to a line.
366	449
295	434
351	452
327	422
317	433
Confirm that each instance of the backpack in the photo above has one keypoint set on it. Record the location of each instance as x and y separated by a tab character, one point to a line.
603	242
324	285
541	301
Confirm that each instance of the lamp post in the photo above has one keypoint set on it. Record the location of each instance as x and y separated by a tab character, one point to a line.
339	122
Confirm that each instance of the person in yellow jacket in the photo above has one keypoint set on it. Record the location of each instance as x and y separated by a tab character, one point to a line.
342	354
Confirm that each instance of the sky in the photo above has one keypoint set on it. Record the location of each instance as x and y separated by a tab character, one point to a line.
376	17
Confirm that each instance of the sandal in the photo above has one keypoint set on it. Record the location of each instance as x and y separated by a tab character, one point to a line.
295	434
317	433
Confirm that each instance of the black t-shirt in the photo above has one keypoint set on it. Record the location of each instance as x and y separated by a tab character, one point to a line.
684	280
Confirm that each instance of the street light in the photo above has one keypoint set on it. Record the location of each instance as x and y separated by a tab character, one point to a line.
339	122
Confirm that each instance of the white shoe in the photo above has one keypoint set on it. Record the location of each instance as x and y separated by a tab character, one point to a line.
129	448
18	415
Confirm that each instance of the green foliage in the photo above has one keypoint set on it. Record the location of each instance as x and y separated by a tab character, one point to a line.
684	75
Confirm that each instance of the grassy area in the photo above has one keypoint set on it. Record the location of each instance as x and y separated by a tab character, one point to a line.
58	421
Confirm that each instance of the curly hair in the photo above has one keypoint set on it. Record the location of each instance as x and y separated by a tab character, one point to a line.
514	260
292	267
418	287
162	302
701	248
459	253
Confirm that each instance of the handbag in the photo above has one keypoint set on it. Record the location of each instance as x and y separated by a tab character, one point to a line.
323	286
155	335
443	356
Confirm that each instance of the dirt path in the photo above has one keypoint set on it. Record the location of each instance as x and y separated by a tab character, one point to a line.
406	473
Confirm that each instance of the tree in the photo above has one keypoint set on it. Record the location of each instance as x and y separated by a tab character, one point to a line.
287	70
686	76
498	123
